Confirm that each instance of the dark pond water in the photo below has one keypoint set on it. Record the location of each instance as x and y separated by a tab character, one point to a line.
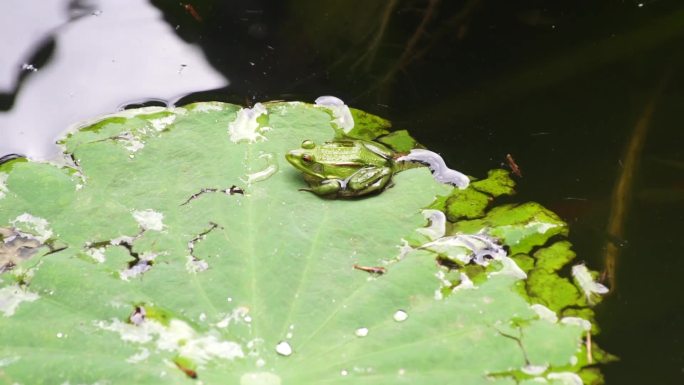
563	86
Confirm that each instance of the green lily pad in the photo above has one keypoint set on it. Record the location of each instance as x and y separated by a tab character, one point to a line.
368	126
463	204
187	252
544	283
497	183
521	227
399	141
472	202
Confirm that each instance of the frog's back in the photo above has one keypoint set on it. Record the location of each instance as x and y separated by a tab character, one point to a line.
354	153
339	153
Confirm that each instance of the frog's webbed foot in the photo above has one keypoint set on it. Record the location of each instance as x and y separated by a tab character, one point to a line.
327	187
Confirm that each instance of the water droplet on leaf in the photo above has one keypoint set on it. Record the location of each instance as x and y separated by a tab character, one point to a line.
283	348
400	316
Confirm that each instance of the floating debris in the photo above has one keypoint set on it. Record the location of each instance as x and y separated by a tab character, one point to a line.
466	283
97	254
193	12
186	366
206	107
545	313
138	315
160	124
176	336
577	321
515	169
377	270
440	171
467	248
245	126
37	226
534	370
143	264
12	296
149	219
565	378
340	112
239	313
131	142
194	265
361	332
437	224
140	356
509	268
586	282
232	190
3	184
15	247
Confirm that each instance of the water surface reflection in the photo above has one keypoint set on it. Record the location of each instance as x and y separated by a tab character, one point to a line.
97	56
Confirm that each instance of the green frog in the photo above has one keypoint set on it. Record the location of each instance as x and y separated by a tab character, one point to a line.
344	168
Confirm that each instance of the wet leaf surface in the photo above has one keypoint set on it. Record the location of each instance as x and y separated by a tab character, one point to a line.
190	255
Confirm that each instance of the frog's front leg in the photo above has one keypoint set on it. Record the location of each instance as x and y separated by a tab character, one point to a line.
326	187
368	180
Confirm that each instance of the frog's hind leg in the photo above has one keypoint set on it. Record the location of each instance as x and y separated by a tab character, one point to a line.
368	180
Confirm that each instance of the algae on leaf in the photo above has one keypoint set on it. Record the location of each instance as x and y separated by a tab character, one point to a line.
175	245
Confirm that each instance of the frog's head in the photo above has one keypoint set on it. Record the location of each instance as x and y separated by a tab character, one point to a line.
304	159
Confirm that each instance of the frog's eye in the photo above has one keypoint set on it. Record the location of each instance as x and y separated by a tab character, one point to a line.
308	144
307	158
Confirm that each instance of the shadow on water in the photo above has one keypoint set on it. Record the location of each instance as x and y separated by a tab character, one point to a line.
559	86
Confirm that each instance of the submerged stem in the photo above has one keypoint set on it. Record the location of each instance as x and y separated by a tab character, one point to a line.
621	196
